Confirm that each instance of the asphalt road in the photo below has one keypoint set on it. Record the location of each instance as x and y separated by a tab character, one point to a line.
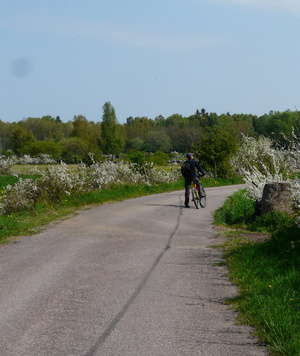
133	278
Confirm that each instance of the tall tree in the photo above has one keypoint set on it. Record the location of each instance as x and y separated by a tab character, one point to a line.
20	139
74	149
158	141
138	127
215	150
80	127
5	136
111	141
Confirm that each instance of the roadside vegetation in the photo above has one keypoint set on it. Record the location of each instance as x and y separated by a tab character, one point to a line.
28	202
263	256
263	251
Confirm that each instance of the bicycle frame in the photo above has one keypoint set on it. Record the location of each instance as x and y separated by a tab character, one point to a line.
199	195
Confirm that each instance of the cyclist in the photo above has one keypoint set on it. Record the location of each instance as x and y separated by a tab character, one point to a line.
192	178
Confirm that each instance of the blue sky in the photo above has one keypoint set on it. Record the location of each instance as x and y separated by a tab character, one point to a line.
148	58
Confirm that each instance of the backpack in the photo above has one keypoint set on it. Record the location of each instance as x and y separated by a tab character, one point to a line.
186	169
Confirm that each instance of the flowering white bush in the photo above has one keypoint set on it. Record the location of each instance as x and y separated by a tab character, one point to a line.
58	181
43	159
259	163
27	159
258	155
292	153
102	175
23	195
157	176
5	165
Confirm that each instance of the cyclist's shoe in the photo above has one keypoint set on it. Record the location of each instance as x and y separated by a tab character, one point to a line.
187	205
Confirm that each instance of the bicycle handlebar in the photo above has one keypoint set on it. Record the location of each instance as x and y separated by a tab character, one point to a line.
200	175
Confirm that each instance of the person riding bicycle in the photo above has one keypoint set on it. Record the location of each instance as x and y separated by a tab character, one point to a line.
192	177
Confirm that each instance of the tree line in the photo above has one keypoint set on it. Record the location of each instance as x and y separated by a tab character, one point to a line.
213	137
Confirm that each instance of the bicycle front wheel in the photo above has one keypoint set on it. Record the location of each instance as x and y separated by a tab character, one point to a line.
196	198
202	197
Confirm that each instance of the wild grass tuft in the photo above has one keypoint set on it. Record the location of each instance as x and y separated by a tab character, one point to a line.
238	210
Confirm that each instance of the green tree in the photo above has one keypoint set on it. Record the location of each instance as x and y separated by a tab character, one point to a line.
42	128
20	139
138	127
158	141
50	148
177	120
238	125
81	127
215	150
5	136
46	128
136	144
278	126
74	150
111	141
88	132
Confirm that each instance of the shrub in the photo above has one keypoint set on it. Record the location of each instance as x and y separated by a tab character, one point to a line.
239	209
21	196
137	157
159	158
271	222
5	165
259	164
288	235
57	182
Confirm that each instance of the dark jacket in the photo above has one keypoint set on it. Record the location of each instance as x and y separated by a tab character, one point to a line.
195	166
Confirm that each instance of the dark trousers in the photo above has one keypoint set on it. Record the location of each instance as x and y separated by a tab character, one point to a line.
187	186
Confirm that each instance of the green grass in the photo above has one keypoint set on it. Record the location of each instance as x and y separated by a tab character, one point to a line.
5	180
268	276
237	211
267	272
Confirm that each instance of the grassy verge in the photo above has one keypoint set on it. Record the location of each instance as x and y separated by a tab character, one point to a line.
266	268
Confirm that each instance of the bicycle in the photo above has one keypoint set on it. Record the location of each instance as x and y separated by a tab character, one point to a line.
198	194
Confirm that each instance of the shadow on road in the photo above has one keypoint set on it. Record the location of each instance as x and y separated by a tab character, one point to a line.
131	300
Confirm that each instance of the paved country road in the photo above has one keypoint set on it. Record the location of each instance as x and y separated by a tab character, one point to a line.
132	278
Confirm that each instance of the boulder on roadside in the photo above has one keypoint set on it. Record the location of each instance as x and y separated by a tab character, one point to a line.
277	196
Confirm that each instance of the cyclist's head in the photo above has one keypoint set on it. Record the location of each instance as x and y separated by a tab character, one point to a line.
189	155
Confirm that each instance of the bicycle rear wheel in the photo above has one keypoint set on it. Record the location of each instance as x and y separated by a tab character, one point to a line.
202	197
196	198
